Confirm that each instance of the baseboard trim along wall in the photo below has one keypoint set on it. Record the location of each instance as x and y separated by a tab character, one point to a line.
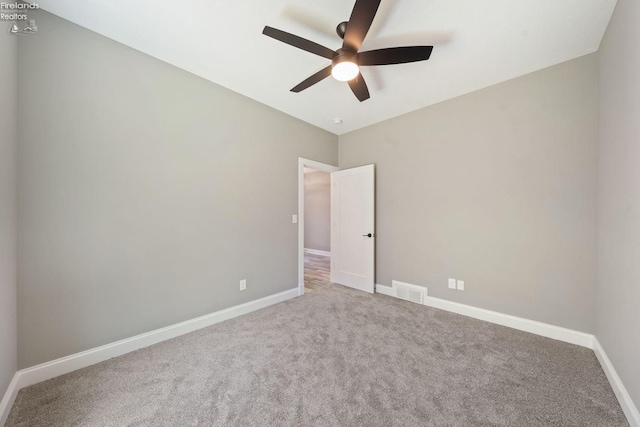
316	252
629	408
519	323
526	325
9	397
64	365
545	330
389	291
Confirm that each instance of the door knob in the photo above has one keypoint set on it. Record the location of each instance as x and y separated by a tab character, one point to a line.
367	235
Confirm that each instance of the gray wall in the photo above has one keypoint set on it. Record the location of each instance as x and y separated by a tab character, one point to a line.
8	206
496	188
317	211
146	193
618	282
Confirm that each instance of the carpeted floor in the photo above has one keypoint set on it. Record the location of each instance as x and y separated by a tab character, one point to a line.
335	357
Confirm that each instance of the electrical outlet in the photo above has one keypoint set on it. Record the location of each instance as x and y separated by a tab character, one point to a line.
452	283
460	285
243	284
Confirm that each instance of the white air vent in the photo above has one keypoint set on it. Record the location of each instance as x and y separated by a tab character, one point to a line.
409	292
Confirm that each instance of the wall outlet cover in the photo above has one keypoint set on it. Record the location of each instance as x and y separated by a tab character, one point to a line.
452	283
460	285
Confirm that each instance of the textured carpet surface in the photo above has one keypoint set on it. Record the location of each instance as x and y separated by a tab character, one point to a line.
335	357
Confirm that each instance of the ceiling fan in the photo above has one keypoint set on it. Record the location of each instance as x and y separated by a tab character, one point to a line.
345	62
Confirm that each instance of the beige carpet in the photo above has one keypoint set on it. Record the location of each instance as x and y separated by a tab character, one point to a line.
335	357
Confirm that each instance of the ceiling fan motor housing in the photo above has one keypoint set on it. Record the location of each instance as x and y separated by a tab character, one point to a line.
343	55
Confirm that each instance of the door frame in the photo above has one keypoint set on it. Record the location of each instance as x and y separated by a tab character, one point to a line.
323	167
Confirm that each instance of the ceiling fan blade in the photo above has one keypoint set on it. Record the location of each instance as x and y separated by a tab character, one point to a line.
361	18
394	55
298	42
320	75
359	88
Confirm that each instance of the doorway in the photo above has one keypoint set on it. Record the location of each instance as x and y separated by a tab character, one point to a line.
314	217
352	219
317	229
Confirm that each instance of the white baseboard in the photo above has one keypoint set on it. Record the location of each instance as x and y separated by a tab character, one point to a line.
316	252
9	397
628	407
526	325
538	328
386	290
77	361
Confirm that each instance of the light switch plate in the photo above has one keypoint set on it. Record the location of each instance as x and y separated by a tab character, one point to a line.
294	219
452	283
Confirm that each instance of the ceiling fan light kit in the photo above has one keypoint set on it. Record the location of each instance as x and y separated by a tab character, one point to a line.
344	66
346	61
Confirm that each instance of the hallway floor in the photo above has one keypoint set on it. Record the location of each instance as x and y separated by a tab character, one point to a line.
317	269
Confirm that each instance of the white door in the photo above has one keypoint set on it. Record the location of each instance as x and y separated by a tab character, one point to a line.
352	228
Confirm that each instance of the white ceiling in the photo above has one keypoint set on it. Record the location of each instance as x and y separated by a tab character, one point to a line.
476	44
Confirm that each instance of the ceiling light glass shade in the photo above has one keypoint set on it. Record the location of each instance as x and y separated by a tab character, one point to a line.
345	71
